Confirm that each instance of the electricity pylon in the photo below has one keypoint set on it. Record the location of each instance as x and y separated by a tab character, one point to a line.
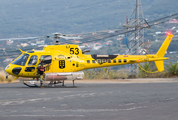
135	39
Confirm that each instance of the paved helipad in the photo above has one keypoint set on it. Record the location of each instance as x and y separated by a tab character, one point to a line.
101	101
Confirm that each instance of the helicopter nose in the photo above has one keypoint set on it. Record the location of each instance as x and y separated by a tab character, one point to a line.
8	70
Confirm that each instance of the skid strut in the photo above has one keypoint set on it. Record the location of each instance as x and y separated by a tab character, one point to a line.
73	83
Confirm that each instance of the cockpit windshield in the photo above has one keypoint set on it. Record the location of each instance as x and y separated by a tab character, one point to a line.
21	60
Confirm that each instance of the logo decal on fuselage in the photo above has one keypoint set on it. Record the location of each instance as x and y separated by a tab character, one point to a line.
61	64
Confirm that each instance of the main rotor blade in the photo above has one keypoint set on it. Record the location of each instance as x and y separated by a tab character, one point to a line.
25	38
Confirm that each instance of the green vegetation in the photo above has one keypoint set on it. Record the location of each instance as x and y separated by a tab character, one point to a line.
105	73
150	71
146	67
172	69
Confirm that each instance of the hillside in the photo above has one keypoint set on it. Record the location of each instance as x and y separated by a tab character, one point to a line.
41	17
163	7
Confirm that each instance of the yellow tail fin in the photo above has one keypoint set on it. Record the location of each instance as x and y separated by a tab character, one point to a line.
161	52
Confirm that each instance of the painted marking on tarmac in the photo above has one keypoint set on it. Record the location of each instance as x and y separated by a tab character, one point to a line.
74	111
66	92
43	115
134	108
127	104
93	110
42	93
16	102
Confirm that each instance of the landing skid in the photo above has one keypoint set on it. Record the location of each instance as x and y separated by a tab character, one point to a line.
31	85
36	84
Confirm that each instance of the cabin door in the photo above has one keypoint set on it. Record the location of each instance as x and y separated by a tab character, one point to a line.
30	69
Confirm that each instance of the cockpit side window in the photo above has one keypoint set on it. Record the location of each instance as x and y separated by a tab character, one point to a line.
21	60
47	59
33	60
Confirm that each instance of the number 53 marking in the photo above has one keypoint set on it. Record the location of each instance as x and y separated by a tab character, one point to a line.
74	51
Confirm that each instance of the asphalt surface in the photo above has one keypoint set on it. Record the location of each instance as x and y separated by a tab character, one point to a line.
114	101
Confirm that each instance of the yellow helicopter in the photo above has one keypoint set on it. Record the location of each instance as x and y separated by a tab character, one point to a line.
68	61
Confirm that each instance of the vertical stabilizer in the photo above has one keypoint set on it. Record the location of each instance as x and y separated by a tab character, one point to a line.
161	52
